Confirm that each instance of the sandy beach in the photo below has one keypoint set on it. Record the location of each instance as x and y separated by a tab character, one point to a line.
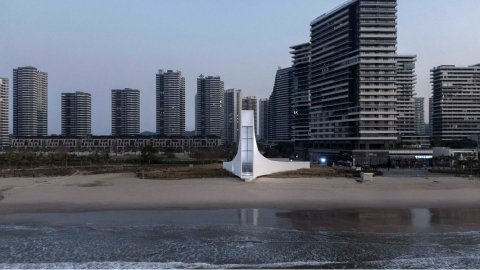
125	191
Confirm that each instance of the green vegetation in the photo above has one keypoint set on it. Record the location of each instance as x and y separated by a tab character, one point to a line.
60	163
317	172
184	172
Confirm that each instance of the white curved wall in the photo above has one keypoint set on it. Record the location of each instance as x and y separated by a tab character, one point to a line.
248	154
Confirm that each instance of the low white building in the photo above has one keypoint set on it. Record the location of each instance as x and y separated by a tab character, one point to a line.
249	163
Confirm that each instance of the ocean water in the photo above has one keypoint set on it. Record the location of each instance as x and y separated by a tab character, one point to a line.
243	238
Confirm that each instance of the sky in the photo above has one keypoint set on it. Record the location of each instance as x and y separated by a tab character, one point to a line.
95	46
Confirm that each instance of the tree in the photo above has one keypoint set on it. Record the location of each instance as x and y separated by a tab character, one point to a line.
9	156
106	156
62	152
169	152
148	153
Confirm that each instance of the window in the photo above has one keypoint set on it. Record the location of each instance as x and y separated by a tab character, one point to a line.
247	150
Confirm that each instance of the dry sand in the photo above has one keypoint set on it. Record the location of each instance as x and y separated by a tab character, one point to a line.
125	191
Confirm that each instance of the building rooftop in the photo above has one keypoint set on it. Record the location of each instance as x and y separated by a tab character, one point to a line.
344	5
298	46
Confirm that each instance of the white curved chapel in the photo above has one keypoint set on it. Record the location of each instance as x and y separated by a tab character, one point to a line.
249	163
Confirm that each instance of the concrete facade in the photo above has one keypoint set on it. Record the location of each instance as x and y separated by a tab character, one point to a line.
209	107
420	116
4	141
170	99
233	108
30	102
353	76
279	108
300	95
456	101
125	112
263	119
76	114
406	79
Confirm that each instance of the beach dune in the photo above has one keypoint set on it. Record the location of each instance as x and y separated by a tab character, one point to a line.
126	191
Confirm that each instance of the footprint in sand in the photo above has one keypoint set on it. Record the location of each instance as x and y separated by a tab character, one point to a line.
95	183
3	189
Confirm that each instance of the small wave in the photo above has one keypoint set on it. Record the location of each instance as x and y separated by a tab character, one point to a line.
407	234
160	265
24	228
427	262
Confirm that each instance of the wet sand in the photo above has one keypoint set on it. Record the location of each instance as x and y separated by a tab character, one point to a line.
127	192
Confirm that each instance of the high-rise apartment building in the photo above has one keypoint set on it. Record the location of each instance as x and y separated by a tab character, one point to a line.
279	107
429	127
353	64
419	116
456	101
251	103
233	108
300	96
125	112
263	119
3	113
76	114
406	106
30	102
430	110
209	107
170	87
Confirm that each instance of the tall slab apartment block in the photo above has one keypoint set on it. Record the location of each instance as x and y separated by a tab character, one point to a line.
170	103
232	115
300	92
456	102
353	76
263	119
406	80
279	108
420	116
76	114
125	112
30	102
3	113
209	107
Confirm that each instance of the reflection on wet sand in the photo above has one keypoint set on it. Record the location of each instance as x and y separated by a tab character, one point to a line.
382	220
468	218
248	216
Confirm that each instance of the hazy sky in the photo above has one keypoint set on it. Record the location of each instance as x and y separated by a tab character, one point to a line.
96	46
